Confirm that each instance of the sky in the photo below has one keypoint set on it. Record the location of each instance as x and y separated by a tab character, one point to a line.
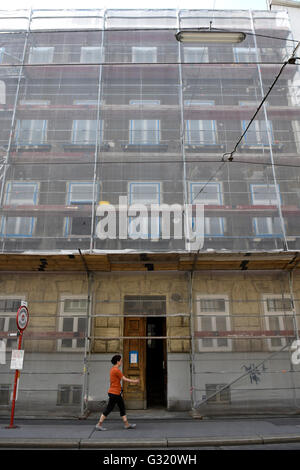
128	4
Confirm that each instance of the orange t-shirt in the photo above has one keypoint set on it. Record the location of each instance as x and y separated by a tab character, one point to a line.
115	381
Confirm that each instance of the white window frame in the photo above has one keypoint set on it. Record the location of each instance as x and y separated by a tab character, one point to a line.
87	52
34	102
213	316
247	51
79	200
62	315
195	54
256	128
270	222
2	54
89	132
139	135
7	316
30	138
144	102
280	314
11	187
190	139
144	54
273	201
36	50
147	230
217	200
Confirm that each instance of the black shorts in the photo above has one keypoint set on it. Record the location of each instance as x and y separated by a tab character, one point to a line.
115	400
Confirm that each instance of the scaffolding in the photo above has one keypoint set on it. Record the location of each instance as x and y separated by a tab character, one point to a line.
104	108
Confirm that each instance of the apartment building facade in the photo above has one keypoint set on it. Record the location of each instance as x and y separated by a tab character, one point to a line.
103	110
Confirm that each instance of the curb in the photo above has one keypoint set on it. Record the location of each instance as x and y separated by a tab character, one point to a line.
144	444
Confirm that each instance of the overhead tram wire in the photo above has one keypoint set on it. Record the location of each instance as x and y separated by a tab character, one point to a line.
291	60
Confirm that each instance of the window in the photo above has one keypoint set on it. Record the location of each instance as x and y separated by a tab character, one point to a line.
91	55
69	394
80	193
144	54
257	134
19	194
208	194
200	132
265	194
8	311
2	55
84	131
245	54
4	394
144	193
218	395
41	55
278	311
213	316
145	102
73	322
196	54
34	102
144	132
31	132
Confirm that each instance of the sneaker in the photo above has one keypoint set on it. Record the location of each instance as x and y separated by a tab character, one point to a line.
100	428
130	426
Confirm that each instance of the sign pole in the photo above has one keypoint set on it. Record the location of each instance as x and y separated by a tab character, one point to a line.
17	376
22	322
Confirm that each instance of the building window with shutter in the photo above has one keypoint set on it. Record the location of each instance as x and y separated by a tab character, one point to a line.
213	322
8	312
69	394
72	323
217	394
279	320
144	54
19	194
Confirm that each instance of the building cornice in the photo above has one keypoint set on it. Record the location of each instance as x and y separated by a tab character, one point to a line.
285	3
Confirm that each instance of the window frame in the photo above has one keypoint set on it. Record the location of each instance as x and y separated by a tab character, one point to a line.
62	314
218	201
133	132
214	315
89	132
136	50
87	49
258	133
147	202
76	200
18	219
31	130
280	314
50	53
196	52
9	315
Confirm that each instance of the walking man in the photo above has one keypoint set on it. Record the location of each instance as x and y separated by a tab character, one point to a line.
114	393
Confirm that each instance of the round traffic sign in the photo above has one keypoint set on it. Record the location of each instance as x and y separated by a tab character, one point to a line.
22	318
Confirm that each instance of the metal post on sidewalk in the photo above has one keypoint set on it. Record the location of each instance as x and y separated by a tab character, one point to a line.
22	322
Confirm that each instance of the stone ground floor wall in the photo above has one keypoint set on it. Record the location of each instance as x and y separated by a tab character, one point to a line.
232	329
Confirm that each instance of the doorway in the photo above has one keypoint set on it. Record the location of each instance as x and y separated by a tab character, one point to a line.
144	355
156	373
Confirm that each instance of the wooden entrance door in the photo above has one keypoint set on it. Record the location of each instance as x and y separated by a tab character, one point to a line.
134	362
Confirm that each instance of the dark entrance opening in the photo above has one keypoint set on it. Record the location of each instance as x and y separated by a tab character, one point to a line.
156	372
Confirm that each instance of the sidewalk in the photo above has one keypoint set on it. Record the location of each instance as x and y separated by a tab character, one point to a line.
166	430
